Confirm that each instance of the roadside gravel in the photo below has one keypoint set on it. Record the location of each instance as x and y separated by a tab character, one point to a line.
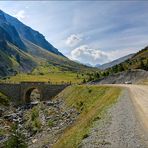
120	128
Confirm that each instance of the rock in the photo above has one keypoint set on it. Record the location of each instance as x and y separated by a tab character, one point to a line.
49	103
10	117
34	140
3	139
34	103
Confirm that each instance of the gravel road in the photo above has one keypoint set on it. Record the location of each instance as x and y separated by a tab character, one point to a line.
125	123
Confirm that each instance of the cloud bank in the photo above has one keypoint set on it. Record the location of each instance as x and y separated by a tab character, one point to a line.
85	54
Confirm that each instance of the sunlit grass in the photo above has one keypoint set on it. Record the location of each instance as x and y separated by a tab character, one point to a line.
91	101
55	77
48	73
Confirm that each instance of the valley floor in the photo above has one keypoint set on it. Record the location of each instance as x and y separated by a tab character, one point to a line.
125	124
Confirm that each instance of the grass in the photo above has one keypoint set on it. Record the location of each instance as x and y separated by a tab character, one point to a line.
50	123
2	132
4	100
91	101
33	121
53	77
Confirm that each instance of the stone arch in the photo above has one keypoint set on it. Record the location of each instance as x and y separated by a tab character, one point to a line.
27	93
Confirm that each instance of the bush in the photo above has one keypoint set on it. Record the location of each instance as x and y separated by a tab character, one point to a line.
90	90
85	136
50	123
36	125
16	139
34	114
33	122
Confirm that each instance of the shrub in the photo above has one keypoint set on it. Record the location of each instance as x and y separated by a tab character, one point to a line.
16	139
50	123
89	90
85	136
34	114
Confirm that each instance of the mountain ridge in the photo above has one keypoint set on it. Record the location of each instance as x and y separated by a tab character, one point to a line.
30	34
114	62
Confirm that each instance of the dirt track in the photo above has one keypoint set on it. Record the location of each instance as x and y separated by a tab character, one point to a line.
125	124
139	96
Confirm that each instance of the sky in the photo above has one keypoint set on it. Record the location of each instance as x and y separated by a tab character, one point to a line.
93	32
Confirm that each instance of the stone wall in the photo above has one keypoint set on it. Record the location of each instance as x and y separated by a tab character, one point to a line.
11	90
50	91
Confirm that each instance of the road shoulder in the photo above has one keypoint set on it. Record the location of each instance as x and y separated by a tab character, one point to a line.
120	127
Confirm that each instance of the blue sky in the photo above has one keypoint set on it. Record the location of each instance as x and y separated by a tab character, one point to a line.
92	32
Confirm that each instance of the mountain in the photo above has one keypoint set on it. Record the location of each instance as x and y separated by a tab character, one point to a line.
88	64
11	31
137	61
31	35
22	49
115	62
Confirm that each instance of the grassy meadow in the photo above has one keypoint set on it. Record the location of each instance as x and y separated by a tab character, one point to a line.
48	73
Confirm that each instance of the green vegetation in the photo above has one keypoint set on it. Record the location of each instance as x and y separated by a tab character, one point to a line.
37	61
2	132
50	123
33	122
16	139
62	77
138	61
49	73
91	101
4	100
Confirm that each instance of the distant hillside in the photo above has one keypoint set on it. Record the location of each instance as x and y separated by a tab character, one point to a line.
137	61
115	62
22	49
130	76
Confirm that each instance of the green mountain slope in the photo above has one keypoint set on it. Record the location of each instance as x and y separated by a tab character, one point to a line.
138	61
13	60
23	49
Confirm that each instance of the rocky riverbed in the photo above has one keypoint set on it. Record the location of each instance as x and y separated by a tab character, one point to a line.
41	122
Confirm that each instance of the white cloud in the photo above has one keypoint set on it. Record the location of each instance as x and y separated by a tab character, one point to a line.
89	55
20	15
73	40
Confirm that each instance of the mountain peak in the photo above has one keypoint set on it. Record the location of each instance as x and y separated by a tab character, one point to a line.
30	34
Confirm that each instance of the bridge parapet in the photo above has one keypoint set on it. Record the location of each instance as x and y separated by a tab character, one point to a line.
17	92
11	90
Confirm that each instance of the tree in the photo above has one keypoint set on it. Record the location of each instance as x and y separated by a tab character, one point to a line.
142	66
146	67
120	68
115	69
84	81
97	75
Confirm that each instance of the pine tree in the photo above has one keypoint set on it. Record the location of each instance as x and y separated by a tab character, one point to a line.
142	66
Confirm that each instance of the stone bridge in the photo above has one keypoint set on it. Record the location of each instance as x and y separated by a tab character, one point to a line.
21	92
